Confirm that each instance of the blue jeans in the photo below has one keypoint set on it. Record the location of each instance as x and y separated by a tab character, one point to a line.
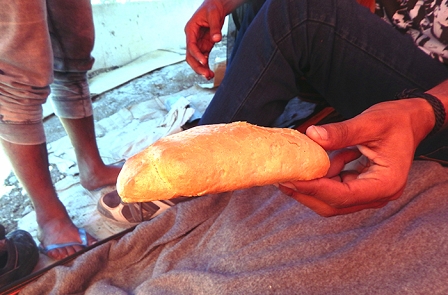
348	55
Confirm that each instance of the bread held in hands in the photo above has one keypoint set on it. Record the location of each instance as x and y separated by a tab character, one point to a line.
218	158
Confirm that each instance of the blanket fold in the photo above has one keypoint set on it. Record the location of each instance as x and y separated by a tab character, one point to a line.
259	241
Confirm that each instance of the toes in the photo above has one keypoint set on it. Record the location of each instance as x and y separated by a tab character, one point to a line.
61	253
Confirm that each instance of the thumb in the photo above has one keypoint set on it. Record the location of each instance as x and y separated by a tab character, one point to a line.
335	136
215	35
216	22
215	32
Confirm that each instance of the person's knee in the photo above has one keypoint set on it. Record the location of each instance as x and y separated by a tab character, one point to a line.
70	95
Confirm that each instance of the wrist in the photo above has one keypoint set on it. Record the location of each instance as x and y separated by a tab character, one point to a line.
441	92
437	117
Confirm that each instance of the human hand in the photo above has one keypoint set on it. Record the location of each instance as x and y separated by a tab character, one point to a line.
379	144
202	31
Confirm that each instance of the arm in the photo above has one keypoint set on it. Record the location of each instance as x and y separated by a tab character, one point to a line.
380	144
203	30
441	92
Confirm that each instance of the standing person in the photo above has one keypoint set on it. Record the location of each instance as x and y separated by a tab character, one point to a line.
47	44
356	62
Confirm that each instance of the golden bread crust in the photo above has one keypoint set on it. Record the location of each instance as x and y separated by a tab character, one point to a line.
218	158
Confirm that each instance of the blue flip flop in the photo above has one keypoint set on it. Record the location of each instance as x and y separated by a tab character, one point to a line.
82	236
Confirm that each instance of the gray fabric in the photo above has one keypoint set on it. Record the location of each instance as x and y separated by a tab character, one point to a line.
259	241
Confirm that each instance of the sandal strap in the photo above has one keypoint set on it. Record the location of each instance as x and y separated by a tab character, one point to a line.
82	237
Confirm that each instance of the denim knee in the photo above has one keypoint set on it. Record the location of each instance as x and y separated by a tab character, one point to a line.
70	95
21	114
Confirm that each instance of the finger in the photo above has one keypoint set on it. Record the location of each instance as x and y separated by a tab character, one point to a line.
286	188
325	210
199	68
215	16
350	192
340	158
215	27
340	135
193	48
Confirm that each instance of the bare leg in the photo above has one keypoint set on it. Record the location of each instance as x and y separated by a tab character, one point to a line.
92	170
30	164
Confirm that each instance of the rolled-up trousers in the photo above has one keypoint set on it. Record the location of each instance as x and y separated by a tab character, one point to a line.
45	46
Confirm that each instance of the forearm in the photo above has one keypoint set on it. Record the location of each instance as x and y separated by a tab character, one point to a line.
427	112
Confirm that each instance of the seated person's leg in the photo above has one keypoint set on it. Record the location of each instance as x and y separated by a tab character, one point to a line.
243	17
349	55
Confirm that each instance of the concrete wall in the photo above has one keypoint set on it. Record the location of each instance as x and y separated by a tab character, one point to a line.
126	31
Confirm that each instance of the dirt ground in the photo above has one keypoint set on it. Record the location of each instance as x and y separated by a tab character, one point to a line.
168	80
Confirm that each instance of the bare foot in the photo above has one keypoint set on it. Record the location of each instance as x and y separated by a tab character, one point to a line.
56	232
99	177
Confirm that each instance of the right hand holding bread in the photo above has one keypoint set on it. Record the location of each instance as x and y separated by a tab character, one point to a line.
217	158
379	144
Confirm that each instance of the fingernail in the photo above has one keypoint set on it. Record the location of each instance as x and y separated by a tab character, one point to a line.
322	132
288	185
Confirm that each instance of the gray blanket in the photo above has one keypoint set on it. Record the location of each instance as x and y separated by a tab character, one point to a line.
259	241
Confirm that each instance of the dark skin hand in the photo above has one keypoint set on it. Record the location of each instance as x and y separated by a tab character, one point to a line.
370	158
203	30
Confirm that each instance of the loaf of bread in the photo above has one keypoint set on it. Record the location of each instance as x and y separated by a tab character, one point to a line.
218	158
